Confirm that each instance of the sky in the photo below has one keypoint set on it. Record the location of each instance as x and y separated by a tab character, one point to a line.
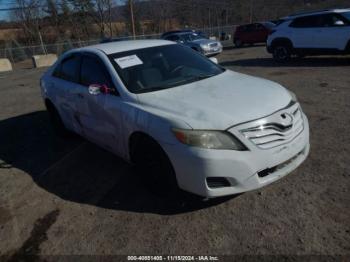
4	15
4	4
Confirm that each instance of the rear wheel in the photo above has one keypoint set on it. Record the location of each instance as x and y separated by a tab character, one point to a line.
282	52
154	166
347	48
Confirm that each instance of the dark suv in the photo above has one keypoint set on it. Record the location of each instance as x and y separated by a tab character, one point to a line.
252	33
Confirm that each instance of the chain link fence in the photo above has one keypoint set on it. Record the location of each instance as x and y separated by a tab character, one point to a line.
16	53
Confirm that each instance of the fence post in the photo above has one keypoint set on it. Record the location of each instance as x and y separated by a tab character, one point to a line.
42	44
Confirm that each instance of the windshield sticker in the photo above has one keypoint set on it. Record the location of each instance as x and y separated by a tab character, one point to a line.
128	61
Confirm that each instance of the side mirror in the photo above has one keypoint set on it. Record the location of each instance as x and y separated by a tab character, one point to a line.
214	60
96	89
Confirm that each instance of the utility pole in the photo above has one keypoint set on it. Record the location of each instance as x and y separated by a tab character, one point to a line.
132	18
251	12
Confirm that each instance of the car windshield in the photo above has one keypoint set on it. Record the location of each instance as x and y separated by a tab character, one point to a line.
161	67
347	15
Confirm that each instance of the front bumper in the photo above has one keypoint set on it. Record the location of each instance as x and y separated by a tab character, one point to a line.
241	168
212	51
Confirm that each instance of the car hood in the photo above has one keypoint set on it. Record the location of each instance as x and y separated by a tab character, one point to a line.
204	41
218	102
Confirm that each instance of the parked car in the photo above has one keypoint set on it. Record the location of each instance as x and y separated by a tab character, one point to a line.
313	33
184	31
186	121
252	33
195	41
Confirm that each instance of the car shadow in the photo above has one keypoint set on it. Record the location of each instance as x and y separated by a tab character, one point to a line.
303	62
78	171
246	46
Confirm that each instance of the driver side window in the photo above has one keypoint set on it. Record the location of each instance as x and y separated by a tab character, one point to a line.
94	72
174	38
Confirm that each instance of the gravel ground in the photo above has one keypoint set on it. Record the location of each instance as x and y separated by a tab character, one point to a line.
64	197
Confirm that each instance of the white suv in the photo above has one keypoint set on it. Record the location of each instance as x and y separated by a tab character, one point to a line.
316	33
183	119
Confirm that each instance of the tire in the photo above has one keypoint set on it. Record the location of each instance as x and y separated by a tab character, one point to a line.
347	48
154	167
56	121
282	52
238	43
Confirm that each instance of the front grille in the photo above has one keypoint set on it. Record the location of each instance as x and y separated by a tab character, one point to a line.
213	45
278	130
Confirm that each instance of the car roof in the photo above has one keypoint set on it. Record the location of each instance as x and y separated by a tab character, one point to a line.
177	31
123	46
318	12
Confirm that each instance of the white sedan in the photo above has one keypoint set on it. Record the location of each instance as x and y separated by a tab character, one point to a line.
186	121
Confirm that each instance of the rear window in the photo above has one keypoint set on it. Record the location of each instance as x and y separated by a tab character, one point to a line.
247	28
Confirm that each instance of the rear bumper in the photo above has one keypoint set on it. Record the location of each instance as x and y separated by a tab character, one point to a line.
243	169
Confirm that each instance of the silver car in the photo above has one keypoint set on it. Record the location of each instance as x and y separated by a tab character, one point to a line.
196	41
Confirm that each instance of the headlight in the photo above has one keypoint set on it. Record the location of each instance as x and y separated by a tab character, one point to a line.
205	47
208	139
294	97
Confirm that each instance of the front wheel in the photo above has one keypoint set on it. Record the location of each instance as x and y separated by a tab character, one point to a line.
154	167
281	53
56	121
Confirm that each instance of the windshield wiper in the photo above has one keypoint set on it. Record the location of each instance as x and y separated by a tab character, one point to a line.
200	77
187	80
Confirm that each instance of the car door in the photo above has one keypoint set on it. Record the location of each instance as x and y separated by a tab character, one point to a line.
334	33
305	31
65	80
249	33
99	114
260	33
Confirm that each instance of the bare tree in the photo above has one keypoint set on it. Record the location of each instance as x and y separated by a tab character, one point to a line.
28	15
103	16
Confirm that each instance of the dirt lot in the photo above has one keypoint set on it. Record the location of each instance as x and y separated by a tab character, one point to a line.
71	197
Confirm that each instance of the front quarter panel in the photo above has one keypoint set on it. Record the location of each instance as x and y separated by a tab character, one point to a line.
132	117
